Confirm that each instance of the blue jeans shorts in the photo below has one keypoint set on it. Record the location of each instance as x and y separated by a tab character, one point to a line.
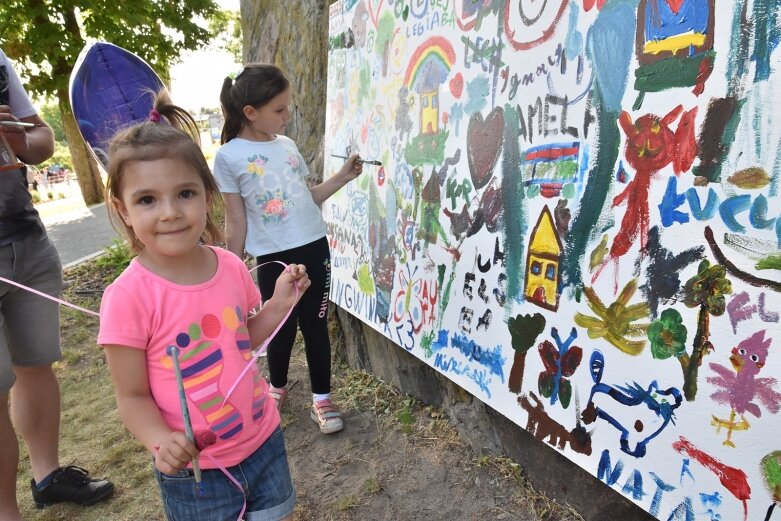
264	475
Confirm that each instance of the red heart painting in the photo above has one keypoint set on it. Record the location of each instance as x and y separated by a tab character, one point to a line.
457	85
484	144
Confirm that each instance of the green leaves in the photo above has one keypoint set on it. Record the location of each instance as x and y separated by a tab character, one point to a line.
668	335
707	288
45	37
524	330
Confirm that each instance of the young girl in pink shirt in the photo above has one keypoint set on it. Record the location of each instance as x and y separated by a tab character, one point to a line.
181	297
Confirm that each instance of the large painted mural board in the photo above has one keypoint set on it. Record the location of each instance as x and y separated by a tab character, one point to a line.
577	220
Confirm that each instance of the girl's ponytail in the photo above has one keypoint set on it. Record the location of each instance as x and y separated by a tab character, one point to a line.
231	111
177	116
256	85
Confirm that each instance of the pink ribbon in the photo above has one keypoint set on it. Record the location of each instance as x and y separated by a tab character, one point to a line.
44	295
262	349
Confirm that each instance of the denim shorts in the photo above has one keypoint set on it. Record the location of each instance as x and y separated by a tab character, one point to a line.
264	475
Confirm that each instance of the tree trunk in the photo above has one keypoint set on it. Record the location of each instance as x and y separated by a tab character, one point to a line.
515	380
700	349
87	171
293	35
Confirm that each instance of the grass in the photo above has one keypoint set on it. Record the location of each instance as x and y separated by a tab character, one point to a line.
91	435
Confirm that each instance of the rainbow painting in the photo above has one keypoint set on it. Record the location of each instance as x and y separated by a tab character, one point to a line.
430	65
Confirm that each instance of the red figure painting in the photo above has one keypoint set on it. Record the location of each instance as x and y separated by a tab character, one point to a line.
651	145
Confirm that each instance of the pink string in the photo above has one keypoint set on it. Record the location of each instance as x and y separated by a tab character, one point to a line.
46	296
262	349
234	481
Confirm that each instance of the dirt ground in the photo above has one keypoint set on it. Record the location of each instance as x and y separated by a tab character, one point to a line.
396	460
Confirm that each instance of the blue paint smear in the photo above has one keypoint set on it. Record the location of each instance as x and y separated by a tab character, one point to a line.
670	201
610	46
758	215
441	340
767	36
776	171
574	42
711	500
477	91
661	487
730	208
700	213
661	22
490	359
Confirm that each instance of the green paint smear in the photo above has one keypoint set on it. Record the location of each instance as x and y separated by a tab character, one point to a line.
771	262
384	32
595	193
514	206
365	281
426	149
426	342
670	73
365	75
738	50
562	170
771	470
713	172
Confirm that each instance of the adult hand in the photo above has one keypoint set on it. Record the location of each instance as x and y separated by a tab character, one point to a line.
175	453
15	136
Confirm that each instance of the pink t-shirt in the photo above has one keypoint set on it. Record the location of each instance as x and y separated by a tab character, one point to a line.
208	322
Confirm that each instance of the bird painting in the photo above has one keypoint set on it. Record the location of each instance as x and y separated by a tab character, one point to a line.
741	388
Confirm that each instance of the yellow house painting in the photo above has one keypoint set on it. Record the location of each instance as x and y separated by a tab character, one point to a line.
429	112
541	286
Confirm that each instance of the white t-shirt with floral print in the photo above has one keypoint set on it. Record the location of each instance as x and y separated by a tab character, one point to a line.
270	176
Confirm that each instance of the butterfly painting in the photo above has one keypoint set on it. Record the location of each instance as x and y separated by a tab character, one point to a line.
560	361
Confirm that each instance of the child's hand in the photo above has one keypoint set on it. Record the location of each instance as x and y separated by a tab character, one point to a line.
175	453
351	168
293	277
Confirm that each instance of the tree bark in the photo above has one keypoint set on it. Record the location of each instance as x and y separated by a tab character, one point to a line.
515	380
87	171
700	349
293	35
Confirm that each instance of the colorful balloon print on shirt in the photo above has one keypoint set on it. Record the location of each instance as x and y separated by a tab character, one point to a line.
257	165
274	206
234	319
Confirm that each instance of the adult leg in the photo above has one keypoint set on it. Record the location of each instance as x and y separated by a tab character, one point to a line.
9	462
281	346
313	316
33	326
35	409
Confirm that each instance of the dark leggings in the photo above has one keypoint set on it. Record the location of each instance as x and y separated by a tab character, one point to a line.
311	314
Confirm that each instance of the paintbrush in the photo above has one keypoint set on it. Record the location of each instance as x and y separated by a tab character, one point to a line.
365	161
173	352
10	123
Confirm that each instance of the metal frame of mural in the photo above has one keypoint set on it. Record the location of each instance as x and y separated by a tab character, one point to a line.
576	218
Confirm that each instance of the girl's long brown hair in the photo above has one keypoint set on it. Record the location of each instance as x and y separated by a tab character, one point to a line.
256	85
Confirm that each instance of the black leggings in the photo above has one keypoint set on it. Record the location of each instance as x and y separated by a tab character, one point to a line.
311	314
